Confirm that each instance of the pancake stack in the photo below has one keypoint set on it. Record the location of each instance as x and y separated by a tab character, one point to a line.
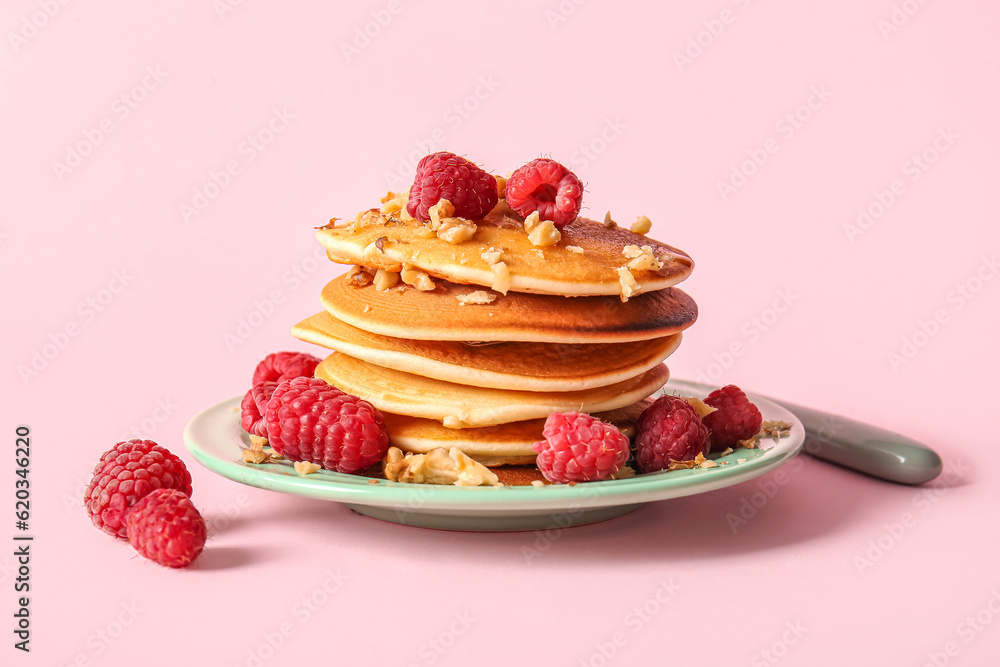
473	344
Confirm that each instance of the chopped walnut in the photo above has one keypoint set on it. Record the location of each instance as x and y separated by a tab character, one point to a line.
442	209
491	256
394	204
456	230
306	467
628	283
727	451
642	259
385	279
575	248
775	429
624	473
418	279
541	233
479	297
608	222
359	276
501	186
701	407
251	456
501	277
537	483
257	443
438	466
642	225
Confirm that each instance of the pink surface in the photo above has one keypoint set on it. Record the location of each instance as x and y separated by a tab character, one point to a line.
198	144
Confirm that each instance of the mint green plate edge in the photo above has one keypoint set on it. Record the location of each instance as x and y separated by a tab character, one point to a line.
214	437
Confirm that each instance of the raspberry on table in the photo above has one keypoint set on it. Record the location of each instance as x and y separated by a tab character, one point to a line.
253	405
735	418
579	448
167	528
126	473
669	430
310	420
444	175
281	366
548	187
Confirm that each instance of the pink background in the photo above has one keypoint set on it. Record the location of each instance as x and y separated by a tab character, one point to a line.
135	305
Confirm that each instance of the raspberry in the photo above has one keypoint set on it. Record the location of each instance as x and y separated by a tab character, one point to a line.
735	419
669	430
281	366
253	405
545	186
580	448
310	420
166	527
126	473
444	175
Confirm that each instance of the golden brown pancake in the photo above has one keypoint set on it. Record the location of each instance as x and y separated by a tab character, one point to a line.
460	406
551	270
405	312
518	366
504	444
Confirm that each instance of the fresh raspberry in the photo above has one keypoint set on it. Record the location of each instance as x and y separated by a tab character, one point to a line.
310	420
444	175
166	527
579	448
281	366
126	473
253	405
735	419
545	186
669	430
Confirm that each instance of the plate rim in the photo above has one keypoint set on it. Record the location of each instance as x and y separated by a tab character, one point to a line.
220	419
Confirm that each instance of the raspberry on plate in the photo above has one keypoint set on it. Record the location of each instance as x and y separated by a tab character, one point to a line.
253	405
548	187
281	366
669	430
735	418
444	175
580	448
167	528
126	473
310	420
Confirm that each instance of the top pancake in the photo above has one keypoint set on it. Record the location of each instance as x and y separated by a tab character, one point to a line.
550	270
404	312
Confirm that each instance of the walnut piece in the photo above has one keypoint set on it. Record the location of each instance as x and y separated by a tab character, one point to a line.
359	276
251	456
701	407
306	467
441	210
438	466
575	248
479	297
608	222
418	279
628	283
642	259
541	233
501	277
491	256
456	230
385	279
642	225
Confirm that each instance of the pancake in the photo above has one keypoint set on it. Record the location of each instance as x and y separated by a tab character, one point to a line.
460	406
405	312
518	366
504	444
552	270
